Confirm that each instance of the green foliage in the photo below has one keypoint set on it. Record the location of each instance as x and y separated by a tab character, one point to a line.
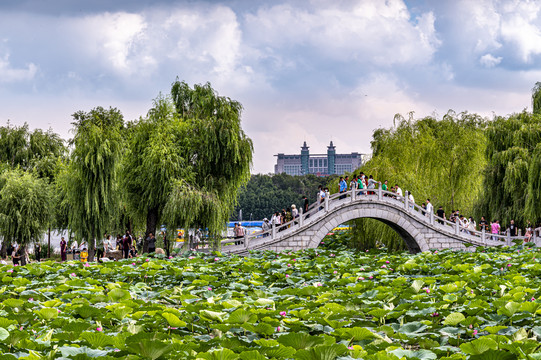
312	304
25	206
442	160
263	195
512	188
89	182
536	98
190	155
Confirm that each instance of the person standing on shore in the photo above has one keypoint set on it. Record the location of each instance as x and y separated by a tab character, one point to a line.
63	249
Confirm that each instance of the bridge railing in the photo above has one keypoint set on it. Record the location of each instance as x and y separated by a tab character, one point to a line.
331	201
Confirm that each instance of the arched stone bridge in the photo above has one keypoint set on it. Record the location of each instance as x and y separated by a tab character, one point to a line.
421	231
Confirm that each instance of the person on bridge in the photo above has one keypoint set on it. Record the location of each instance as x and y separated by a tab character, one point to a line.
343	187
372	184
495	229
429	208
411	199
361	185
513	228
441	214
399	193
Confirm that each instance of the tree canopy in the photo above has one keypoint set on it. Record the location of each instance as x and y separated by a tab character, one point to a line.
189	152
90	180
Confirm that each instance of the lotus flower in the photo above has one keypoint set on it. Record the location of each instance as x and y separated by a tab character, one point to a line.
278	329
99	328
147	260
474	332
283	313
216	259
209	288
287	275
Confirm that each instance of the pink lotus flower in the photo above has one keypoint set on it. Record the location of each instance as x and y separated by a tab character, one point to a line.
293	259
287	275
383	266
335	272
350	347
209	288
216	259
99	328
533	299
147	260
133	263
471	326
370	277
86	265
10	270
508	265
278	329
332	255
501	269
288	265
31	299
361	278
170	257
427	290
386	261
474	332
362	269
283	313
73	275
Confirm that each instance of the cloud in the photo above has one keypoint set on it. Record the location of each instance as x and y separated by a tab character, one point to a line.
8	74
488	60
376	32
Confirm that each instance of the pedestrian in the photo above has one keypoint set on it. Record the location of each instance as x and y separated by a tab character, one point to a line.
63	249
294	211
361	185
100	246
429	207
16	255
126	245
83	255
37	251
239	233
385	187
411	199
371	184
512	228
342	187
441	214
495	229
483	224
265	227
398	192
151	241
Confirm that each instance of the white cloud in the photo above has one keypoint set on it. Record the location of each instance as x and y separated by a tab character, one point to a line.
521	27
8	74
377	32
489	61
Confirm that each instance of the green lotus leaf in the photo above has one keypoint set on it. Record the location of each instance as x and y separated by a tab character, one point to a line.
96	339
417	285
496	355
212	315
221	354
87	311
252	355
509	309
418	354
70	351
494	329
13	303
118	294
278	352
264	302
479	346
4	334
300	340
173	320
241	316
412	328
322	352
47	313
454	319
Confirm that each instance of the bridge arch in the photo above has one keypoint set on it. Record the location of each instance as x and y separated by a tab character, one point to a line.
395	218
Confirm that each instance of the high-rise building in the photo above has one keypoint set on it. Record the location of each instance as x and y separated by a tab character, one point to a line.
318	164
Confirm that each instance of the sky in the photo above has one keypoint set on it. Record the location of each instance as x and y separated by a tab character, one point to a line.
304	70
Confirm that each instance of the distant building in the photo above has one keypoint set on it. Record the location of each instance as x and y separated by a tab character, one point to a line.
318	164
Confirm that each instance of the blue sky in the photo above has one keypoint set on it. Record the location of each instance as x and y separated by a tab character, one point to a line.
304	70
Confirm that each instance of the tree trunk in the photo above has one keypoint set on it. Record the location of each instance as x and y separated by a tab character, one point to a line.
152	220
4	250
49	243
22	260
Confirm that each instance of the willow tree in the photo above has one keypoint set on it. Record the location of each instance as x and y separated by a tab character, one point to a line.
536	98
191	156
25	208
89	181
511	185
441	159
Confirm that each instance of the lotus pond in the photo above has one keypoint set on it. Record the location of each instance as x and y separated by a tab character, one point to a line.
313	304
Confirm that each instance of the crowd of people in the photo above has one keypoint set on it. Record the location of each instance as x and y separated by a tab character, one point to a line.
367	185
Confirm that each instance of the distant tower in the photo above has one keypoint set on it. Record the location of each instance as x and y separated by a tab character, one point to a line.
305	156
331	157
